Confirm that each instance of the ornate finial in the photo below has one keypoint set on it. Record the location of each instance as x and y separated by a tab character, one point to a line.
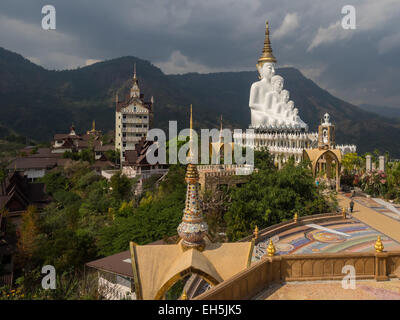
255	233
271	249
379	245
191	136
184	295
72	129
344	213
93	125
295	217
192	229
135	91
266	55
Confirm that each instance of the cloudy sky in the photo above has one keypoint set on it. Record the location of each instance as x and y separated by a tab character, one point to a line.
179	36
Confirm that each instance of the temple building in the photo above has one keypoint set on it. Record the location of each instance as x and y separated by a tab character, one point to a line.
133	118
274	118
326	158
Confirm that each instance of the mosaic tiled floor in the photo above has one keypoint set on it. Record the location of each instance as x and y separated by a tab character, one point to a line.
347	236
379	207
333	290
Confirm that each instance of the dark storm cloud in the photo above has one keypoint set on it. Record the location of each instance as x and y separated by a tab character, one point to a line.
180	36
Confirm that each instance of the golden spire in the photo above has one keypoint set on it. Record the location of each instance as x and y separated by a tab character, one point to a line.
344	213
379	245
93	125
255	233
295	217
271	249
184	295
266	55
193	228
191	136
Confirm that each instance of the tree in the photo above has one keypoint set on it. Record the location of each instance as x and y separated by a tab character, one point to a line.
121	187
272	196
351	162
26	245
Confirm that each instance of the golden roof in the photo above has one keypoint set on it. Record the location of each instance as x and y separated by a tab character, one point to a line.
157	267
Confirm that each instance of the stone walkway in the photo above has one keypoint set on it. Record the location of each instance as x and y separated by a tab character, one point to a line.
380	222
333	290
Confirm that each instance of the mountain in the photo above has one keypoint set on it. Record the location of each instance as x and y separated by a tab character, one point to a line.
388	112
37	103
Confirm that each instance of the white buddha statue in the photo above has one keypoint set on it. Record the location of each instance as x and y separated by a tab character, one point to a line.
258	92
290	108
284	99
269	103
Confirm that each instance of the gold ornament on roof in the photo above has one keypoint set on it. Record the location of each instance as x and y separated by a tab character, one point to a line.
184	295
266	55
295	217
255	232
379	245
271	249
344	213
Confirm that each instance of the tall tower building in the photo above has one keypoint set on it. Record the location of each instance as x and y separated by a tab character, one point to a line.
133	118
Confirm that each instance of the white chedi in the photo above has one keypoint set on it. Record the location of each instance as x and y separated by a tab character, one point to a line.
270	105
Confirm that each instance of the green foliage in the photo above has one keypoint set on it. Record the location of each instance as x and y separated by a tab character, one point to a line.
273	196
351	163
157	217
113	155
121	186
83	155
55	181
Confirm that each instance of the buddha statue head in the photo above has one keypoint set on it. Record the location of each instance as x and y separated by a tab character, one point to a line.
267	70
285	96
277	83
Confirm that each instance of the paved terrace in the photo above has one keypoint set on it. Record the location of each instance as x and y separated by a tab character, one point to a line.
306	264
379	216
333	290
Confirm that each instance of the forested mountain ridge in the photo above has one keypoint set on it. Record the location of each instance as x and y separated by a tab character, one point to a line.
37	103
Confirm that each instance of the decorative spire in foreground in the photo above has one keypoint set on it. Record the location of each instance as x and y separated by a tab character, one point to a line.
266	55
192	229
93	126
